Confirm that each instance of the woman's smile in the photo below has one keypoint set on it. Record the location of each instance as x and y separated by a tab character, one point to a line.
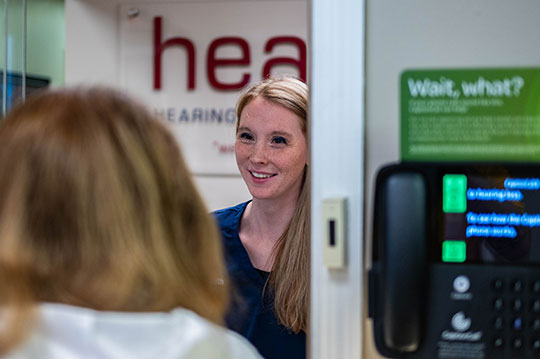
260	175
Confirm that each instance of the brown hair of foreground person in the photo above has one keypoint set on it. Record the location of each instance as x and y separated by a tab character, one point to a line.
98	210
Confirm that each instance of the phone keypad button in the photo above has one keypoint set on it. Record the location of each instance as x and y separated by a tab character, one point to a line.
498	304
517	286
498	323
535	325
498	342
517	343
535	306
517	323
498	285
535	345
535	286
517	305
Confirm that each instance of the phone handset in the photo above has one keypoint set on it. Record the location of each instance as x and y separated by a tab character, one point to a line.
403	260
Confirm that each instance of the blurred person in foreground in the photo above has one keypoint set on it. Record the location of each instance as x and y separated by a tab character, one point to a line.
106	248
266	239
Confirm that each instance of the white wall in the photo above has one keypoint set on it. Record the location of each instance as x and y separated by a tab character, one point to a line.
337	134
91	42
434	34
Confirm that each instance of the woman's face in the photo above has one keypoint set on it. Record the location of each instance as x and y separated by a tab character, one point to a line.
271	150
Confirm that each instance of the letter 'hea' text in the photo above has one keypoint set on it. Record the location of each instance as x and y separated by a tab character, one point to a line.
212	62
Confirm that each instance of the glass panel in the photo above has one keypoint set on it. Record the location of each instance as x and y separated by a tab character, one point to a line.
12	52
45	43
32	41
3	44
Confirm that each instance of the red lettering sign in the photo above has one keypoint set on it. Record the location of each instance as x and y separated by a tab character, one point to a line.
159	47
300	63
212	62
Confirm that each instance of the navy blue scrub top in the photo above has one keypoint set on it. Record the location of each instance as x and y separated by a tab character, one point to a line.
252	313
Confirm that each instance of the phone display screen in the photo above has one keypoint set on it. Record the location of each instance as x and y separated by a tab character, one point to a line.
490	218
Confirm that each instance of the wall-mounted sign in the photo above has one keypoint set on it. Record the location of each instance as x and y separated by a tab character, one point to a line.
189	61
470	115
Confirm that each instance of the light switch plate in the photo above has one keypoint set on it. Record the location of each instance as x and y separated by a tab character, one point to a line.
334	236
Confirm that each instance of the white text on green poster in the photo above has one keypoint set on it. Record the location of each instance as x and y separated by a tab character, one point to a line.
470	115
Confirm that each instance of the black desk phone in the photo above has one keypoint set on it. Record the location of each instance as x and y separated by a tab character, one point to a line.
456	261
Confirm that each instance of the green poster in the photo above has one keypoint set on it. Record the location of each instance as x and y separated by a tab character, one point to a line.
470	115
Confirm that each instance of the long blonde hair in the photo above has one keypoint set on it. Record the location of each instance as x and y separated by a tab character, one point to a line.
98	209
290	276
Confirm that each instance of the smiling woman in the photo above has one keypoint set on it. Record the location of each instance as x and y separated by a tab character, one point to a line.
271	151
266	239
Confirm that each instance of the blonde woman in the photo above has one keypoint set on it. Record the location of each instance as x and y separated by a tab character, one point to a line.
104	241
266	239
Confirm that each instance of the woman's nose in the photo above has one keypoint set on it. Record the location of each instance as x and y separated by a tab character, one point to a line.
258	155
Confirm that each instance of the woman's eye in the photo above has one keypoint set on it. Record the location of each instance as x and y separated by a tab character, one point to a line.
245	136
279	140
